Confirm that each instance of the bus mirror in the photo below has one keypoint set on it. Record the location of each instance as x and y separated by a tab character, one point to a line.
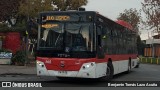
104	37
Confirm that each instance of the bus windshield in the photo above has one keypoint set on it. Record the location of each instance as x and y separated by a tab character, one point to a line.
67	37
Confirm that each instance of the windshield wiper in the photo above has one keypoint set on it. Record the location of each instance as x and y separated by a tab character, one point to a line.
57	39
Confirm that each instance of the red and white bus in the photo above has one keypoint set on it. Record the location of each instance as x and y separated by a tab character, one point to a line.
83	44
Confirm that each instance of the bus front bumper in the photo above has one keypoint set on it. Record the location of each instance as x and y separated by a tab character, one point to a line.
87	70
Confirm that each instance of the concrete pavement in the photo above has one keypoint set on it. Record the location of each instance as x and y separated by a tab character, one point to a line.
13	69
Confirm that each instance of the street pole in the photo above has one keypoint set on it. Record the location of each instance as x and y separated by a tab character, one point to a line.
152	43
27	36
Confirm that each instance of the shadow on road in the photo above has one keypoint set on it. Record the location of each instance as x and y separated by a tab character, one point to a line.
71	82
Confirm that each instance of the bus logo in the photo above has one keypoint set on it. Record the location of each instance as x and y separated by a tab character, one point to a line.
62	64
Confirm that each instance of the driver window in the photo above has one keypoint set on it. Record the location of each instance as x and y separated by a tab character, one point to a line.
100	51
99	33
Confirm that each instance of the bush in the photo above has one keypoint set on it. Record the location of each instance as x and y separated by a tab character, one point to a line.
19	58
5	50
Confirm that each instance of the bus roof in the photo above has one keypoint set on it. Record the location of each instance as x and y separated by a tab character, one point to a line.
58	12
125	24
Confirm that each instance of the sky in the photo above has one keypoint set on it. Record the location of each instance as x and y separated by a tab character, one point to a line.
112	8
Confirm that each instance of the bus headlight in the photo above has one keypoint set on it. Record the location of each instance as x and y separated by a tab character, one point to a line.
88	65
39	63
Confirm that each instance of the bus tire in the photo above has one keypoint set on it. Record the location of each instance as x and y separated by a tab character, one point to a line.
109	72
137	66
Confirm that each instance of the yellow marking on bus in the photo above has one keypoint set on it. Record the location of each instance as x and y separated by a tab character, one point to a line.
59	18
49	25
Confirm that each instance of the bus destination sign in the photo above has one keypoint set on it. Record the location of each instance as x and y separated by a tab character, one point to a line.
50	25
58	18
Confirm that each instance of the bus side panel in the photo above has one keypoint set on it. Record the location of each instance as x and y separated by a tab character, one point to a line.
116	67
120	66
101	69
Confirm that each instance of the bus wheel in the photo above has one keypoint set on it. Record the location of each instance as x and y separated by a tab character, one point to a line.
137	66
109	72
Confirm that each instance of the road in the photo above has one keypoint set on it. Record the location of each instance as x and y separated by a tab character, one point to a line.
146	72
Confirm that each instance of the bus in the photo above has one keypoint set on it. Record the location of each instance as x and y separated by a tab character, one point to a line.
83	44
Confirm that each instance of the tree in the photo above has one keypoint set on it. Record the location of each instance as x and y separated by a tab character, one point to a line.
8	9
140	46
31	8
63	5
8	15
132	16
152	10
28	12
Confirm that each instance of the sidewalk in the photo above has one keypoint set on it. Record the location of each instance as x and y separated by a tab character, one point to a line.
12	69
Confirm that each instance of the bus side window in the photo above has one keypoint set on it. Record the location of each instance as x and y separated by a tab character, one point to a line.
99	34
100	50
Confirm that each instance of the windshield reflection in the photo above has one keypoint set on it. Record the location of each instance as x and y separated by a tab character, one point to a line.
69	37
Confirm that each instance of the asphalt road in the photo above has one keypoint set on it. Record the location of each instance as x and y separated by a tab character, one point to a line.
146	72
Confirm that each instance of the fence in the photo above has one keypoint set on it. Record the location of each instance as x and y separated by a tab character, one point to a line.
150	60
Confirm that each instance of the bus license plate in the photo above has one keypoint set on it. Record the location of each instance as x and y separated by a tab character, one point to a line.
62	72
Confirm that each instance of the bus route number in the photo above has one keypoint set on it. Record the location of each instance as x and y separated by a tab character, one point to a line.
59	18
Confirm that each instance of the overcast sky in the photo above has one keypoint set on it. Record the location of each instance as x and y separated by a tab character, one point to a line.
112	8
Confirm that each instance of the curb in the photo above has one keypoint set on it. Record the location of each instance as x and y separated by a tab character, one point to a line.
150	60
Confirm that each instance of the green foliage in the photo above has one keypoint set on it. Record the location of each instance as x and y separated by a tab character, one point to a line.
131	16
31	8
18	28
20	57
69	4
8	8
140	46
5	50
